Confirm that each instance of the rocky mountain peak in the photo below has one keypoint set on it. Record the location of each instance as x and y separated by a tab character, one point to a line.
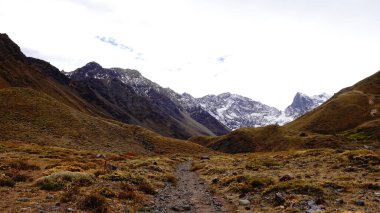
9	49
92	65
303	103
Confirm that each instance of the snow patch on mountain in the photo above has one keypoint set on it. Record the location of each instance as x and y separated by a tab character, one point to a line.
236	111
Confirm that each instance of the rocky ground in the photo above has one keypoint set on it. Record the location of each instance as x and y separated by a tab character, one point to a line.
189	194
36	178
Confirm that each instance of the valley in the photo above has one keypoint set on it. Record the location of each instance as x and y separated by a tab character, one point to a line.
110	140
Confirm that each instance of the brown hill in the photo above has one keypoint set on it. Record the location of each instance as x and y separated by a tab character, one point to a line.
353	112
17	70
32	116
268	138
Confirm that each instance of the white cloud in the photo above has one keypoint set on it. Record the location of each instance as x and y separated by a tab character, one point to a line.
272	49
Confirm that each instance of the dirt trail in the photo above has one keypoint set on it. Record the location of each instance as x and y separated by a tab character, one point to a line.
189	194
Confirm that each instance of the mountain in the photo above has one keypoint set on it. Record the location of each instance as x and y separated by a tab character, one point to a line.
236	111
302	104
39	104
353	111
351	115
131	98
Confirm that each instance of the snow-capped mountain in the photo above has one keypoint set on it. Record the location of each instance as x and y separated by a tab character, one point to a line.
218	113
303	104
132	98
236	111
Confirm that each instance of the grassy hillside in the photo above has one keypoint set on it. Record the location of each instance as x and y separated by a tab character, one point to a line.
351	115
32	116
16	70
269	138
354	110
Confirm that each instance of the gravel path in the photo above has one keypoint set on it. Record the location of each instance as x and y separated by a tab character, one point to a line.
189	194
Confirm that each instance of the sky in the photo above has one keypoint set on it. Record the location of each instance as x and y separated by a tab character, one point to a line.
266	50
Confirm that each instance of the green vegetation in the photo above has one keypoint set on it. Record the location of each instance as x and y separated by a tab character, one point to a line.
59	180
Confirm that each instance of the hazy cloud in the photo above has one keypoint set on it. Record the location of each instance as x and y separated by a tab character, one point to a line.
115	43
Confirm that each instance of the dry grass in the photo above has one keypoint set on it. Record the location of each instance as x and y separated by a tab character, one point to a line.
318	175
131	186
29	115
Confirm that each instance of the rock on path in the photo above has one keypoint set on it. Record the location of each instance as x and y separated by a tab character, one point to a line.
189	194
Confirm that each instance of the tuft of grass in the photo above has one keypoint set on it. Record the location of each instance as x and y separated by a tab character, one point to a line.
246	183
116	177
196	166
59	180
297	187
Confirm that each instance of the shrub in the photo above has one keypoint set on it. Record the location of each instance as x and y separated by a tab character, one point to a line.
246	183
70	194
59	180
131	195
128	195
106	192
7	181
116	177
297	187
147	188
17	177
23	165
94	203
21	178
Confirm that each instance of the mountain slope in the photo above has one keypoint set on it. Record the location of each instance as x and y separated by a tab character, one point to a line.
32	116
356	107
17	70
131	98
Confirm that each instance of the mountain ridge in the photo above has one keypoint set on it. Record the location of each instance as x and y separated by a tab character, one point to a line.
162	110
236	111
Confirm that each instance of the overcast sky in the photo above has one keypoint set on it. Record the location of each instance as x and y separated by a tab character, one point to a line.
266	50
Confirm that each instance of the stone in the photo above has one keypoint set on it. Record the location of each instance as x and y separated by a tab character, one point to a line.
111	167
286	177
181	208
313	207
205	157
215	180
244	202
49	196
23	199
360	203
279	199
339	201
101	156
69	209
